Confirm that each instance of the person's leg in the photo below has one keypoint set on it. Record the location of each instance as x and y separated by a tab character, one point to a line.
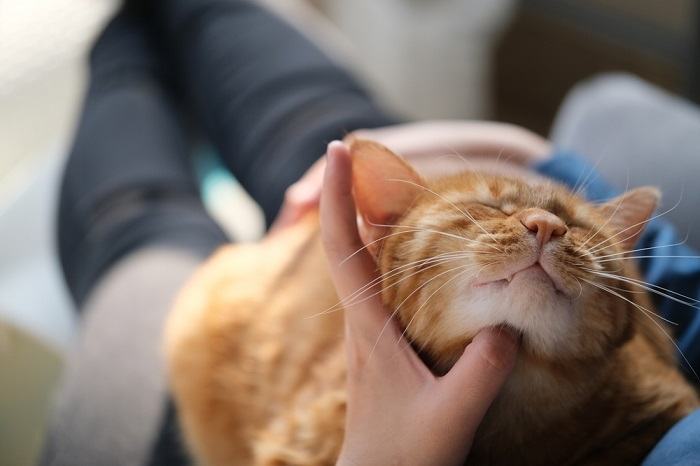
269	99
127	181
637	134
113	407
131	230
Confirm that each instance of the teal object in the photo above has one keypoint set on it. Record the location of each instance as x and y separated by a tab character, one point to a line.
210	172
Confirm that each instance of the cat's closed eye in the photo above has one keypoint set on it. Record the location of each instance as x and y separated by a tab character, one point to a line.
508	208
484	209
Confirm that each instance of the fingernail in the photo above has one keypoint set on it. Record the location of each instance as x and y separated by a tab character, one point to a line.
335	145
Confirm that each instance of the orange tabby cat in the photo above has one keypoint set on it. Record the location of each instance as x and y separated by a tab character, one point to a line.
258	369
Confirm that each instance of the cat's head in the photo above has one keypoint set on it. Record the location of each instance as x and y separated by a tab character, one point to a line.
473	250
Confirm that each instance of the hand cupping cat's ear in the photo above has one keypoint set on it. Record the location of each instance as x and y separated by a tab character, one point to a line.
384	187
350	265
397	410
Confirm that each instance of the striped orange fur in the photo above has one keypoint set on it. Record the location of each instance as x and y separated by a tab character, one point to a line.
257	366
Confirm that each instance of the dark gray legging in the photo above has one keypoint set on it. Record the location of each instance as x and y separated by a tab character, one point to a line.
266	97
131	224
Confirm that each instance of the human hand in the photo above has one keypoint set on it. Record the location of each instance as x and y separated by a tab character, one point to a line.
398	412
301	197
464	143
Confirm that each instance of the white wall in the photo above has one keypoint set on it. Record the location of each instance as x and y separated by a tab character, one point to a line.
426	58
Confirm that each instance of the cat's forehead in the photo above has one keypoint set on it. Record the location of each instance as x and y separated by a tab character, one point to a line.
518	191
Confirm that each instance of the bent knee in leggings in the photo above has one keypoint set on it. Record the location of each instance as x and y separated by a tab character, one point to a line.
128	221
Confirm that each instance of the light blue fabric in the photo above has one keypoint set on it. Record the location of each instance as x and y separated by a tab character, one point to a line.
681	444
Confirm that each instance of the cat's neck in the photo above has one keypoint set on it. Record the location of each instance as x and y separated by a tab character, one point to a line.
564	410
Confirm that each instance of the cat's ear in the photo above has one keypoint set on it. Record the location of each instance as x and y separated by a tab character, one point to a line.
628	214
384	186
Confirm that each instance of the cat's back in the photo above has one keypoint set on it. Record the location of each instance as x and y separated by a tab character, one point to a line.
247	351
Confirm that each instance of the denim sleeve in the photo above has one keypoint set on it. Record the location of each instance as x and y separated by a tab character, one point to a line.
679	273
679	447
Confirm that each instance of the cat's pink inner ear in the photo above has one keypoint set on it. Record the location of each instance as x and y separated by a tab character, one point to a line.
384	184
628	214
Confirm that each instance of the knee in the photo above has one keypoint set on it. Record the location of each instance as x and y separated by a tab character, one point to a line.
594	105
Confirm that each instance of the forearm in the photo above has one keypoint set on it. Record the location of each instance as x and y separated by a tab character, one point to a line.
465	138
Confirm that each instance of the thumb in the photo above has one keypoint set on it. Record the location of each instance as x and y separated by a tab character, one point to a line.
475	380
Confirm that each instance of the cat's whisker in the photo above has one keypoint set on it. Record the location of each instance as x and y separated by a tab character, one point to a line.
396	310
600	228
658	325
638	306
455	153
619	241
656	289
405	331
375	242
648	257
608	220
434	261
632	251
416	228
391	285
422	306
598	246
351	300
576	190
624	290
452	235
642	282
465	213
580	288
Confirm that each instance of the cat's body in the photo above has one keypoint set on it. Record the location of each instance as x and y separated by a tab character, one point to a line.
254	374
258	375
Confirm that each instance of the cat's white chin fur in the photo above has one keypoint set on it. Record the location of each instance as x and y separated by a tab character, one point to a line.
529	303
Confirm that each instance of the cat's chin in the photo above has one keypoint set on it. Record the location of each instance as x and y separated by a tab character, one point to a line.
525	280
529	302
529	272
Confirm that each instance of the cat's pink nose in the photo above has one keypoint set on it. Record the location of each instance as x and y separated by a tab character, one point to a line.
544	224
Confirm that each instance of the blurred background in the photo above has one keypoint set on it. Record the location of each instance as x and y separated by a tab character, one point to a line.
508	60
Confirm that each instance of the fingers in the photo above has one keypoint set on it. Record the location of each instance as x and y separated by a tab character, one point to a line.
308	188
339	225
338	217
301	197
475	380
350	270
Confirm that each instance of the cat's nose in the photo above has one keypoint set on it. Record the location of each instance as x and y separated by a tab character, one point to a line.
544	224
